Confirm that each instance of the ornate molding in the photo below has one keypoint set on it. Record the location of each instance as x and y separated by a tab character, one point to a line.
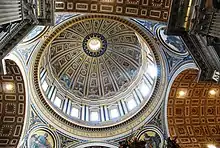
148	9
115	131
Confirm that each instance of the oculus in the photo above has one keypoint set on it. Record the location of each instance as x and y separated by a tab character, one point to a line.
95	59
94	44
95	62
87	94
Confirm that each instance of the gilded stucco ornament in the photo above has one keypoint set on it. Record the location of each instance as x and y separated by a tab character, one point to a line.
123	85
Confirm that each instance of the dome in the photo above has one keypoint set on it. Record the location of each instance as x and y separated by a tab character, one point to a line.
95	59
97	73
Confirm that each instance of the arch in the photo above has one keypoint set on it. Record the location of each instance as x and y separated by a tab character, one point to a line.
96	144
193	116
39	131
17	59
98	133
156	130
177	72
12	105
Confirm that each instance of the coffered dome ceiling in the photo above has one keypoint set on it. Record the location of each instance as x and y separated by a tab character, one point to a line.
95	59
95	73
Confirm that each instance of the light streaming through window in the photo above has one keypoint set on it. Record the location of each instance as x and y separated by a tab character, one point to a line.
94	116
114	113
75	112
131	104
211	146
144	90
44	85
57	102
152	70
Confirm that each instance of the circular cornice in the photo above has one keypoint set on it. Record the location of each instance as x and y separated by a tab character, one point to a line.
34	130
106	132
94	76
173	44
152	128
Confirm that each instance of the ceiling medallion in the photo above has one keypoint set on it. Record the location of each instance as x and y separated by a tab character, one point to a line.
94	44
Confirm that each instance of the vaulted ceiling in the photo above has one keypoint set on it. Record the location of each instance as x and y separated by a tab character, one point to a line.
148	9
193	111
12	105
68	79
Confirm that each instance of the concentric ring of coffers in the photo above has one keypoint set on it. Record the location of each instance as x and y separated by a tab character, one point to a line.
137	96
95	75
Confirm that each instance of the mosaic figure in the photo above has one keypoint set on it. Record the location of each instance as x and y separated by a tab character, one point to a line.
152	139
41	139
173	42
